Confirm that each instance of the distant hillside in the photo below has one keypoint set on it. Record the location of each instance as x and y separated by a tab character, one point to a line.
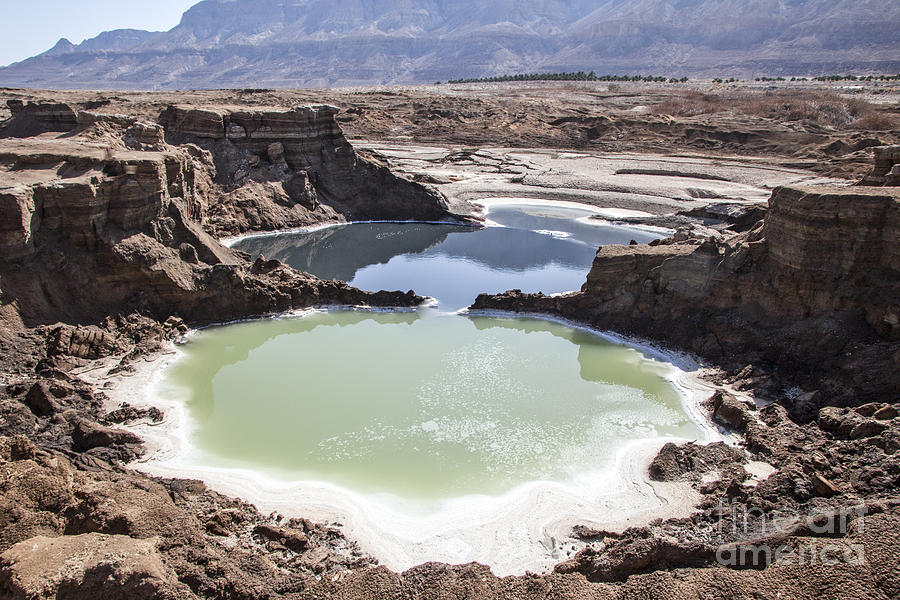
303	43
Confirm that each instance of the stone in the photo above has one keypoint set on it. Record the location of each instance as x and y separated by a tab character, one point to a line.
188	254
275	151
88	566
691	461
886	413
289	538
868	428
823	487
41	401
730	412
868	410
88	435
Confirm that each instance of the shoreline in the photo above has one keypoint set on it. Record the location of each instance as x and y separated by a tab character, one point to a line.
608	217
231	241
396	531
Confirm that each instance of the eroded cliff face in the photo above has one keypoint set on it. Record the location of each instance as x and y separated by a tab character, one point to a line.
812	291
301	160
110	218
887	167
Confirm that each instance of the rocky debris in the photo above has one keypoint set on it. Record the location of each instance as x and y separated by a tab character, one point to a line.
638	551
218	547
690	462
87	436
81	342
41	400
887	167
862	422
738	217
127	414
91	565
288	538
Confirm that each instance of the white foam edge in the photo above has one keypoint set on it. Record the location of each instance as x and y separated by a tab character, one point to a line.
513	533
608	214
231	241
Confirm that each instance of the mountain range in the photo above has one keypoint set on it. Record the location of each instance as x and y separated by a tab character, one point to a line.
312	43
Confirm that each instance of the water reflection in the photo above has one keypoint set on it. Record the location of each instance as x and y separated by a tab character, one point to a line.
339	252
533	248
215	348
599	360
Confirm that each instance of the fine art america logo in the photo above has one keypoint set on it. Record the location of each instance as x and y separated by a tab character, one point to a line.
757	538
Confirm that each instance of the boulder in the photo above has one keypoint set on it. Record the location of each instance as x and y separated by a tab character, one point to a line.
691	461
88	566
731	412
88	435
41	401
289	538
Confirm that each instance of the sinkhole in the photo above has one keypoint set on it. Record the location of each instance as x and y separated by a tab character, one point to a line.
432	434
428	404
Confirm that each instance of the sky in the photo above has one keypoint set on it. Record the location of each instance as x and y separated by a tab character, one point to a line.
27	29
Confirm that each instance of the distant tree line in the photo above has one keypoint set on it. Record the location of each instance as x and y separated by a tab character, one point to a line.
579	76
836	78
857	78
582	76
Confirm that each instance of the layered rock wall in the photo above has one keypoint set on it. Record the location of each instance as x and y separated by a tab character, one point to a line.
112	218
887	167
307	148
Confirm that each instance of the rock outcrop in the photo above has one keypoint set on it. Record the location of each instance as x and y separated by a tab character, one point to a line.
104	566
305	153
887	167
35	118
112	219
812	291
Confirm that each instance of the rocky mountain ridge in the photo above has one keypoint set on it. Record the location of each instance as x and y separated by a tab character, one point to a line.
278	43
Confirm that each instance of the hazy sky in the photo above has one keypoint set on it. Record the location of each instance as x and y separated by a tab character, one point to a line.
27	29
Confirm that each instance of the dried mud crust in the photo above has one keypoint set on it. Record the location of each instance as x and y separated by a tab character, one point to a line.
121	258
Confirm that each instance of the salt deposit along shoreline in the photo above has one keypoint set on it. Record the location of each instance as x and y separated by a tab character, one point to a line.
525	529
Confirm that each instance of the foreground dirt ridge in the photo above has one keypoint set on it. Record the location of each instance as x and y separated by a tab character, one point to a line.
108	226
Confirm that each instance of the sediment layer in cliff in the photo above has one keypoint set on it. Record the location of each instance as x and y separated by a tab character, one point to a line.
305	151
119	215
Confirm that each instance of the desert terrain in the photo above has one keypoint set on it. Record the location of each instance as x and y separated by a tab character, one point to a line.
781	277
